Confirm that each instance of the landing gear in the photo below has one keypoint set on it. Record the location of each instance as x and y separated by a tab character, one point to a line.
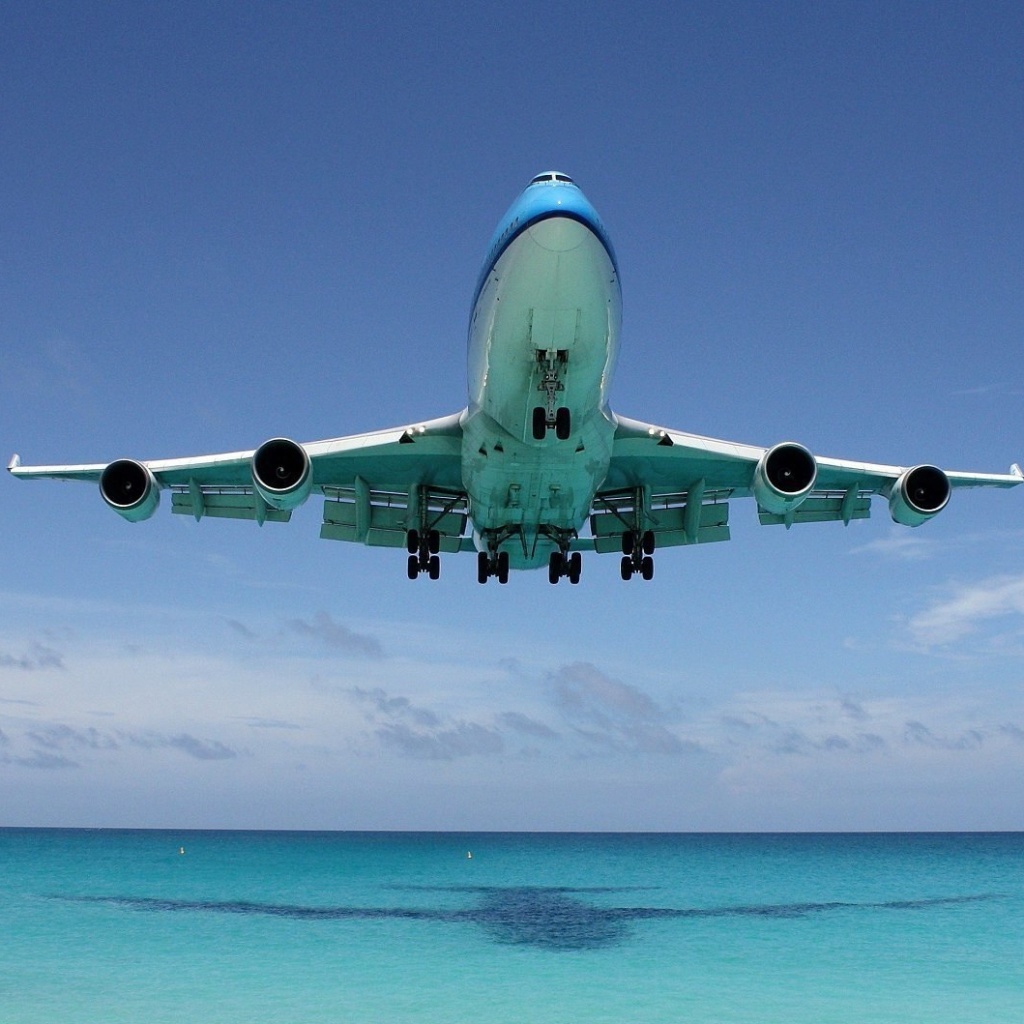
561	421
423	547
562	564
488	565
547	416
637	549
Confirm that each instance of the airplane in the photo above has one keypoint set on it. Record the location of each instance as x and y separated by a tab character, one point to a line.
537	468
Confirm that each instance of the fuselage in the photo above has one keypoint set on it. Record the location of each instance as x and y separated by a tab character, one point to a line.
543	339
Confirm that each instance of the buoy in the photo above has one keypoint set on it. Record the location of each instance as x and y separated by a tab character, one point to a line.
469	855
181	850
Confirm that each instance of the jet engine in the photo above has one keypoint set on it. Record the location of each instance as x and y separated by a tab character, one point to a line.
919	494
784	477
130	489
282	473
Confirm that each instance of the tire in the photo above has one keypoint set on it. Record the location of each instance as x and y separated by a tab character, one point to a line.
434	567
628	542
434	541
563	424
412	541
540	423
647	568
555	567
414	567
626	567
648	542
482	567
503	567
575	567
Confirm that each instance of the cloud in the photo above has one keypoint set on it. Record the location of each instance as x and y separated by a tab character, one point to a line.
611	714
962	613
61	737
38	657
204	750
51	741
337	636
396	707
270	723
420	732
919	733
40	759
240	628
520	723
902	546
462	739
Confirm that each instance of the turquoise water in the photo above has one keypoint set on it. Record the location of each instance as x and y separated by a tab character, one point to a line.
111	926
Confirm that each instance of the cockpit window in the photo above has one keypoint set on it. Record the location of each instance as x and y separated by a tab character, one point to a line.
552	176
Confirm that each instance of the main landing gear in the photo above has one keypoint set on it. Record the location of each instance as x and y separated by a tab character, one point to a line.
490	564
637	549
562	564
423	548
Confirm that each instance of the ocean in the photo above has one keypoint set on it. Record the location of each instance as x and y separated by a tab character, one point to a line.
149	927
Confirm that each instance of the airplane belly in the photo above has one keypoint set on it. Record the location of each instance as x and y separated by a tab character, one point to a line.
543	333
554	290
526	495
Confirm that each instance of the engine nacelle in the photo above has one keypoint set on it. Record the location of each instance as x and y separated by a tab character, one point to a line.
282	473
130	489
919	494
784	476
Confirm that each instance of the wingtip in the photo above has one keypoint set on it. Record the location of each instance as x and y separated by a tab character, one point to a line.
1016	471
14	463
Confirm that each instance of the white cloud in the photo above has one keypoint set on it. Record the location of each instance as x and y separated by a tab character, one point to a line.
900	545
966	608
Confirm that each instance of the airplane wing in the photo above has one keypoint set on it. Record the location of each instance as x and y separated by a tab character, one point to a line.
377	486
678	485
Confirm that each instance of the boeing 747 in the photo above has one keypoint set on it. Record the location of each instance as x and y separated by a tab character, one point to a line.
537	468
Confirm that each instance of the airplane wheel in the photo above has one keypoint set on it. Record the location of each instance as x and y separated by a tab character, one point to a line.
482	567
575	567
412	541
555	567
434	567
434	541
627	542
647	568
503	567
563	424
414	567
648	542
626	567
540	423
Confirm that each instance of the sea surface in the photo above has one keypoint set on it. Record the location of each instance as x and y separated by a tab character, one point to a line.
150	926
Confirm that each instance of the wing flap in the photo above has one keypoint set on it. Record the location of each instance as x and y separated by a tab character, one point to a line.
383	519
225	503
820	510
674	519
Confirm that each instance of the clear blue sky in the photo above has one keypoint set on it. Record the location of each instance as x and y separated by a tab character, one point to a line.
224	222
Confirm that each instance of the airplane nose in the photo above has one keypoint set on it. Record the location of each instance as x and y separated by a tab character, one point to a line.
558	234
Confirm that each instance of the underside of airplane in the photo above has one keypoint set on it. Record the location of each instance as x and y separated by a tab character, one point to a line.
537	469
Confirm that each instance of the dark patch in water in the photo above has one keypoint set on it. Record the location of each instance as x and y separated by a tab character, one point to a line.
553	918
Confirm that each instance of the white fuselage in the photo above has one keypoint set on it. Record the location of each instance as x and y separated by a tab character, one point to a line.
548	302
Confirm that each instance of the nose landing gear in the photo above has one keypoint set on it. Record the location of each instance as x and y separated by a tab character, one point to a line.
553	363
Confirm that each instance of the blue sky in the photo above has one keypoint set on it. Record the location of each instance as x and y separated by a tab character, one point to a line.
225	222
